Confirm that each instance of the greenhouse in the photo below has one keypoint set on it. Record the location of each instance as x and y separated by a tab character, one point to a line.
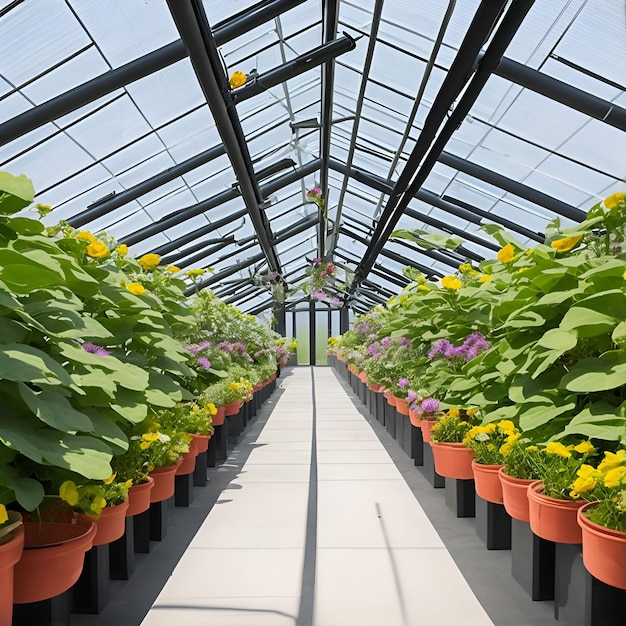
312	312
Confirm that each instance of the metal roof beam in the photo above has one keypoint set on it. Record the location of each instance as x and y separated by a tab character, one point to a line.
135	70
242	294
465	80
557	90
388	275
229	271
219	244
205	254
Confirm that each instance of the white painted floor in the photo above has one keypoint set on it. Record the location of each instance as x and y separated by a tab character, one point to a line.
378	561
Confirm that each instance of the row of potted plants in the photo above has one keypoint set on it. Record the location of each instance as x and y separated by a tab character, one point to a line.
110	376
518	364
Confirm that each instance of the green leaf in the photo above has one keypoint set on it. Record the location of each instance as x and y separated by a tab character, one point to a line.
22	278
587	322
541	414
559	339
12	331
619	334
107	430
428	241
131	405
163	391
55	410
24	363
16	193
595	374
599	420
501	236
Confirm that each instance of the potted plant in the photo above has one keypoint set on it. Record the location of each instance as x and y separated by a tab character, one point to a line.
11	547
452	458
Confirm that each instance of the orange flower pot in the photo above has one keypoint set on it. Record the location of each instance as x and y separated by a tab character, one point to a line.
604	550
139	498
514	495
363	377
188	463
164	482
218	418
427	429
416	420
487	482
10	553
453	460
391	400
232	408
375	387
52	561
199	443
552	518
402	406
110	524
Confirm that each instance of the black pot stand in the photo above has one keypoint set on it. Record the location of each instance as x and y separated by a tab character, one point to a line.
493	525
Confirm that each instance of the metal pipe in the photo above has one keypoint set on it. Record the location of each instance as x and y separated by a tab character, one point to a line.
222	242
229	271
203	256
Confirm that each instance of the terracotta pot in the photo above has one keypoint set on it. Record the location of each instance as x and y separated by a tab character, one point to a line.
52	561
139	498
453	460
110	525
218	418
188	463
402	406
604	550
199	443
164	482
427	429
10	553
416	420
391	400
514	495
375	387
487	482
339	355
363	377
232	408
552	518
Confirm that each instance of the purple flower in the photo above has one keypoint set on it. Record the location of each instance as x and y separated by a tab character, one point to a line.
335	300
225	346
192	348
439	347
204	362
386	342
404	341
204	345
411	396
319	294
372	349
317	261
474	345
94	349
403	382
430	405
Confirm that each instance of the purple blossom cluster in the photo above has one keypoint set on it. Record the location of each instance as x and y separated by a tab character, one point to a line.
473	345
204	362
429	407
405	342
319	294
195	348
92	348
386	342
374	350
403	383
225	346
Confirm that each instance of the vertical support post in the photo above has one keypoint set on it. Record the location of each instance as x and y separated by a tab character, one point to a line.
312	332
281	320
344	319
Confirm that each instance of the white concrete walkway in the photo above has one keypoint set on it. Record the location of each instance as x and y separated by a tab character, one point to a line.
370	556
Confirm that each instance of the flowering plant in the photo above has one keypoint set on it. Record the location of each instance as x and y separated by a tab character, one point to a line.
453	426
321	275
492	442
189	417
315	195
606	485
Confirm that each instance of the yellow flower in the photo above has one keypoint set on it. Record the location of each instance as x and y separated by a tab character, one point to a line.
472	412
136	288
612	460
69	493
293	346
122	249
505	449
506	254
453	413
43	209
277	342
583	447
110	479
451	282
211	408
173	269
4	516
421	279
233	386
237	79
614	200
465	268
97	505
624	275
614	477
422	288
566	244
193	273
531	448
586	470
97	250
144	445
85	235
149	261
557	448
582	485
506	426
150	437
485	278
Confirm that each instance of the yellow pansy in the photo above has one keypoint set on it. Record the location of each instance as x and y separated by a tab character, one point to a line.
149	261
566	244
277	342
471	412
506	426
582	485
614	477
557	448
110	479
193	273
97	250
150	437
421	279
505	449
173	269
506	254
293	346
237	79
531	448
233	386
136	288
85	235
97	505
614	200
144	445
211	408
69	493
451	282
584	447
612	459
122	249
485	278
465	268
4	516
453	413
422	288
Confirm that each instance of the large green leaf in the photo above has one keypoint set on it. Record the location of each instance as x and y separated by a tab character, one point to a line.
106	429
599	420
163	391
587	322
595	374
25	363
538	415
558	339
28	492
131	405
428	241
55	410
16	193
12	331
22	278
